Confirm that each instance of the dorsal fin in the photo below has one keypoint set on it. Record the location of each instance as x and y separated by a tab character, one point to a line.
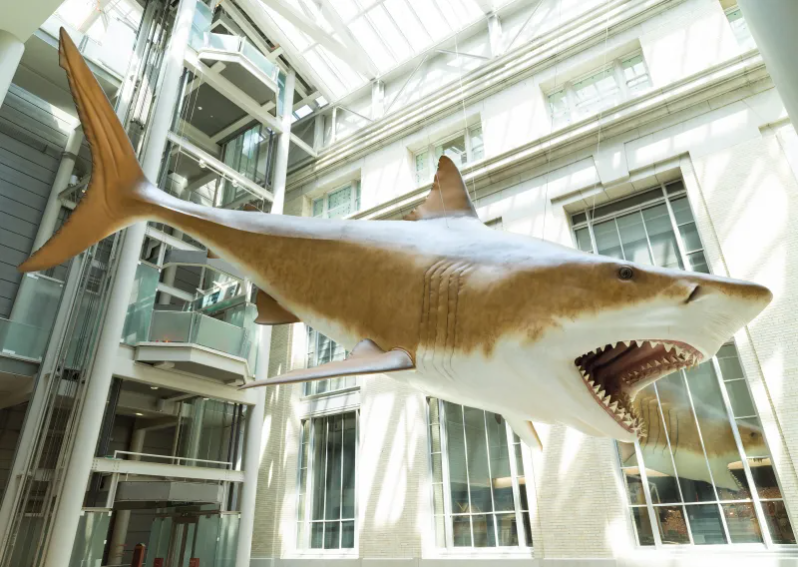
448	196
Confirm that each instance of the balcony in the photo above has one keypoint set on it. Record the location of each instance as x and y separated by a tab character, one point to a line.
214	337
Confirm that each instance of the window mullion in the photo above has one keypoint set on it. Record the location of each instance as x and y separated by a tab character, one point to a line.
648	238
514	474
490	477
617	71
620	240
324	488
467	139
570	101
677	233
749	477
468	476
309	485
341	492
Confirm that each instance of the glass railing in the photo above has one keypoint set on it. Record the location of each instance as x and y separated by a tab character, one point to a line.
196	328
142	302
20	339
114	51
27	333
202	40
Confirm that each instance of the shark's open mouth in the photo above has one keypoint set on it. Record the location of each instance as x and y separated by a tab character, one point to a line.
615	373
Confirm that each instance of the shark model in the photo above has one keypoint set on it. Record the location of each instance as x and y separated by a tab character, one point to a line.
521	327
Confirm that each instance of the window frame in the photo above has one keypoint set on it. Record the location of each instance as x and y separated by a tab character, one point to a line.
354	199
309	389
429	152
593	216
304	547
573	113
512	445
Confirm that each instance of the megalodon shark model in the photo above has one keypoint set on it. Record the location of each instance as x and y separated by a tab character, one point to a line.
511	324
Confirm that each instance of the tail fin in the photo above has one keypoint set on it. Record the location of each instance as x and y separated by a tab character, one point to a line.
112	200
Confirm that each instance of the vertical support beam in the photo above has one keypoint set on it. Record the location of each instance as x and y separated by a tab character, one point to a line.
195	436
122	520
334	125
772	25
11	49
495	35
283	145
78	469
377	99
318	132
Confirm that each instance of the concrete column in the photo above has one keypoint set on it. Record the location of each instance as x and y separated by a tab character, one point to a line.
122	521
318	132
495	34
62	537
53	207
377	99
249	489
283	145
772	23
195	435
11	49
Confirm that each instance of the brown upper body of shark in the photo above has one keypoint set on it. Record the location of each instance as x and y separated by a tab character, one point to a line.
473	315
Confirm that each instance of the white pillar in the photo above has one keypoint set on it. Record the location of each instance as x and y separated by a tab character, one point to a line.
772	23
53	207
495	34
283	145
11	49
377	99
257	413
318	132
122	521
62	537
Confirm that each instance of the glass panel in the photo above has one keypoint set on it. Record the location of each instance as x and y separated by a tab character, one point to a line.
583	240
672	527
633	238
333	485
634	486
461	531
642	526
455	149
740	398
660	234
706	525
90	538
477	144
558	107
339	203
349	467
686	448
655	452
318	207
597	92
681	209
724	458
764	478
740	28
607	240
316	535
697	262
347	535
319	468
332	535
729	362
635	73
477	458
778	522
690	237
742	523
458	479
422	175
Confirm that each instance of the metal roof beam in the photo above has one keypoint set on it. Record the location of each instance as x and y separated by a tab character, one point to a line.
343	31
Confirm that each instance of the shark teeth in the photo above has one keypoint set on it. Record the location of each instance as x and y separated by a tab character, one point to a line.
614	383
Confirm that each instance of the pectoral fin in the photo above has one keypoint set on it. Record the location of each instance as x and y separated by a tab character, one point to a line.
365	358
270	312
526	431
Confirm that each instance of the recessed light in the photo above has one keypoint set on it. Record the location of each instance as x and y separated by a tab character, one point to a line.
139	414
153	387
199	108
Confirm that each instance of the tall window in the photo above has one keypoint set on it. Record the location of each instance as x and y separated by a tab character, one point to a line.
338	203
600	89
478	483
327	472
655	228
740	28
464	147
321	350
703	474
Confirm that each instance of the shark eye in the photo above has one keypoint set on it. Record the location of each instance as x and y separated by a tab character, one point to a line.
625	273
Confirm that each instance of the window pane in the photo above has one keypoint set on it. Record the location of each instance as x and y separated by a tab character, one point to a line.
461	531
681	209
752	437
339	203
607	240
348	484
501	478
484	530
633	238
319	467
729	362
698	263
458	478
333	485
421	167
778	523
316	535
686	446
660	234
635	73
655	452
597	92
741	402
332	535
583	240
347	535
764	478
634	486
672	527
477	456
558	107
477	145
507	526
706	525
690	237
643	526
721	447
318	207
455	149
742	523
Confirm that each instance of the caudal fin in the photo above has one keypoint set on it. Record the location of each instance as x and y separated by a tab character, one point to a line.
112	200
